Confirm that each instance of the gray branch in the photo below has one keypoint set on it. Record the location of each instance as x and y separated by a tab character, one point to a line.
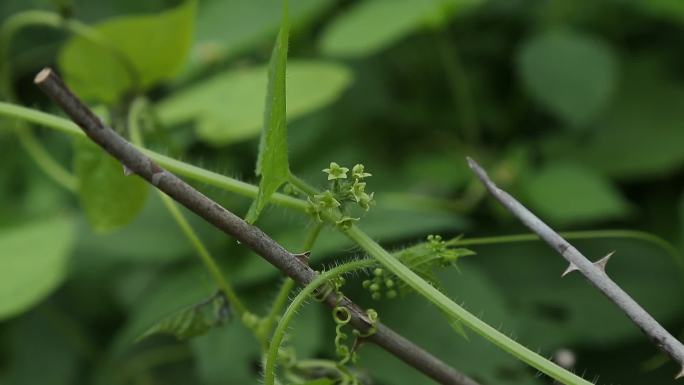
594	272
231	224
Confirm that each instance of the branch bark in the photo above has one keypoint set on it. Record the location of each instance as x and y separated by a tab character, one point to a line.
231	224
594	272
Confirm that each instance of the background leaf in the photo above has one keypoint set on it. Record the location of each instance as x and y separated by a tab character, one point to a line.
638	136
139	52
109	198
567	193
570	74
228	28
33	262
357	32
229	107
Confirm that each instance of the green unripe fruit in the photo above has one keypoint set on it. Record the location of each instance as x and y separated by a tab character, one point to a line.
376	296
377	272
374	287
389	283
391	294
366	283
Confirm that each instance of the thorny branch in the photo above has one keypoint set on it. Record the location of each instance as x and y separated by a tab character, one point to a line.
594	272
291	264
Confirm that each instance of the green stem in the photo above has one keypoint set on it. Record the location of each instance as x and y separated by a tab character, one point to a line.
458	84
28	141
593	234
301	185
281	329
138	106
285	289
195	173
450	308
45	161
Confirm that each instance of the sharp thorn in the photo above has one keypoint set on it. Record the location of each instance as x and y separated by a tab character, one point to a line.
127	171
303	257
680	374
570	269
601	263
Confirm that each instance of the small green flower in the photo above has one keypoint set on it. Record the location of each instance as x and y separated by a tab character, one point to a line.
327	200
335	171
357	172
358	191
346	222
360	196
366	201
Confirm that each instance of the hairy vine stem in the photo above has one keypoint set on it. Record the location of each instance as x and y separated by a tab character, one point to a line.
594	272
234	226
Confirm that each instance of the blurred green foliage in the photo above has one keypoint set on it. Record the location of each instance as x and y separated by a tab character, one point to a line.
576	107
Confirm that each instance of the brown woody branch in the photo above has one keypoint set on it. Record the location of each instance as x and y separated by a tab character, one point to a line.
231	224
594	272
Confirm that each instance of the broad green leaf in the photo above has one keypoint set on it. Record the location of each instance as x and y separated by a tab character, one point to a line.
272	162
228	28
367	27
131	53
568	193
638	136
210	352
110	199
193	321
570	74
33	262
229	107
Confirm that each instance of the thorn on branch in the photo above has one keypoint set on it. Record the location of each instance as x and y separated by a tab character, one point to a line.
601	263
303	257
570	269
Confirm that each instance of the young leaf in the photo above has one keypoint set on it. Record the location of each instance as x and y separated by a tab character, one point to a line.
33	262
110	199
272	162
135	52
229	107
193	321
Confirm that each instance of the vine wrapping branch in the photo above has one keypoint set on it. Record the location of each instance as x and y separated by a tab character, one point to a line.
594	272
234	226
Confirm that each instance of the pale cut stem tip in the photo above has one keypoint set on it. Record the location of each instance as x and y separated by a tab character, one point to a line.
680	374
42	75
